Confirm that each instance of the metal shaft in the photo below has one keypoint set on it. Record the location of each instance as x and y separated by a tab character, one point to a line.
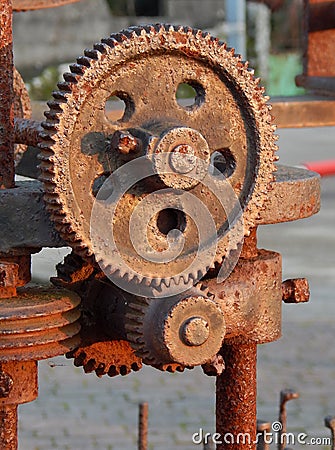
143	427
6	96
26	131
8	427
236	397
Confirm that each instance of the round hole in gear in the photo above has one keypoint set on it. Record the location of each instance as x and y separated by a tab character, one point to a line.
190	94
171	219
119	107
224	162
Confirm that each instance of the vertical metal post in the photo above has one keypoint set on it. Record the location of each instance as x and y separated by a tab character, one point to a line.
285	396
235	17
236	397
8	427
6	96
143	427
263	433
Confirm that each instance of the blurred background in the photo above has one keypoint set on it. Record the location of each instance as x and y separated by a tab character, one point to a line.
267	33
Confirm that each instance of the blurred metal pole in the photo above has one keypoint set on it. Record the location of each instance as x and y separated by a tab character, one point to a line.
235	18
143	427
261	17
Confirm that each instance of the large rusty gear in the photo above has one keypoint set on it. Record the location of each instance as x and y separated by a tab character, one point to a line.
22	109
97	352
181	330
144	66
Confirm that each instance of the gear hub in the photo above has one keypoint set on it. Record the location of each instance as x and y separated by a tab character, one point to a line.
187	329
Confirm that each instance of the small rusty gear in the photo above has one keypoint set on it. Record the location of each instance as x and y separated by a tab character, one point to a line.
113	358
143	66
22	109
184	330
98	351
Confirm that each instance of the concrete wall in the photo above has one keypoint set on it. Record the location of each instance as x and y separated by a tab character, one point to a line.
61	34
52	36
199	13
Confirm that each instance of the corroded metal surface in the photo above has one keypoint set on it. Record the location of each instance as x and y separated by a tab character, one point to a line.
143	427
22	377
38	323
285	396
77	133
24	382
263	297
303	111
24	220
27	131
236	396
8	427
22	109
263	431
8	279
22	259
103	346
187	329
6	96
296	194
319	33
26	5
295	290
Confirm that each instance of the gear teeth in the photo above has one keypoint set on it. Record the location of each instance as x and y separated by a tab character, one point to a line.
84	61
49	146
91	53
135	316
64	86
77	69
100	47
70	78
55	106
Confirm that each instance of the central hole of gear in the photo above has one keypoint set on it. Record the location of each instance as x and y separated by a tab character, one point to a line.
171	219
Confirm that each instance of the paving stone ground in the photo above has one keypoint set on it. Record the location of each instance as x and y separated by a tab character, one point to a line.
77	411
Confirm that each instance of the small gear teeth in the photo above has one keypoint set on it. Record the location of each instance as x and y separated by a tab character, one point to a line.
135	317
83	358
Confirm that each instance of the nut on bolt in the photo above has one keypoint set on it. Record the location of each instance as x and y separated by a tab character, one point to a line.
8	279
295	290
125	143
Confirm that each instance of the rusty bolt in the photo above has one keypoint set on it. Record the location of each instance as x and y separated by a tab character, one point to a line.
215	367
6	384
183	159
295	290
195	331
125	143
8	279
